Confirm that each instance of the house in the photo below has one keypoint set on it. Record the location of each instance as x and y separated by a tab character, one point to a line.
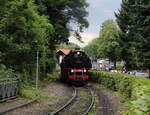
61	53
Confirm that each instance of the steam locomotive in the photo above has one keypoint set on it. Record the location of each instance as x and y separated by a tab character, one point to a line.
75	66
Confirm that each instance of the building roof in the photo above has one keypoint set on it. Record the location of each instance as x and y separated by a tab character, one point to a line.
65	51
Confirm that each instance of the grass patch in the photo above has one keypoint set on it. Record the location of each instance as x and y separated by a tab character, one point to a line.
28	90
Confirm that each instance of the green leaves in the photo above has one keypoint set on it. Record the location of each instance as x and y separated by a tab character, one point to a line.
70	46
22	32
62	14
6	73
135	89
133	20
107	45
30	25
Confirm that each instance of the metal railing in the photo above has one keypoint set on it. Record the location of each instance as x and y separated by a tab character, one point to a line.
9	88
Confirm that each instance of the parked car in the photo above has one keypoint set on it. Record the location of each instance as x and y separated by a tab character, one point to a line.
113	71
141	74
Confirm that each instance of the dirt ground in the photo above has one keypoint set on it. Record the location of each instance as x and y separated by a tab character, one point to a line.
57	94
108	102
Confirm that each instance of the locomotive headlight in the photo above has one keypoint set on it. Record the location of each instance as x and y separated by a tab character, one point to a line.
78	53
84	70
72	70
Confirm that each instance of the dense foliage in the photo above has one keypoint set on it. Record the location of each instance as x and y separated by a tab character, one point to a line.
106	46
133	19
92	48
23	31
27	26
69	46
63	13
134	89
6	73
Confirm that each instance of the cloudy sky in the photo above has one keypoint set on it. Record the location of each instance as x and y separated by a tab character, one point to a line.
99	11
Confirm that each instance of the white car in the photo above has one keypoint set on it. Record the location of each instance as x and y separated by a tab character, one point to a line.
113	71
141	74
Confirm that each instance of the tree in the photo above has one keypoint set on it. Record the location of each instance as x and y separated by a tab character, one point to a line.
30	25
107	45
108	40
22	32
133	19
62	13
69	46
91	48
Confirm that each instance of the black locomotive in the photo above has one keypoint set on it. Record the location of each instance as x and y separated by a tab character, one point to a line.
75	66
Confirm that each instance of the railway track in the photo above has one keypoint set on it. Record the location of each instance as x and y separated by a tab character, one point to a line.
15	104
66	104
79	104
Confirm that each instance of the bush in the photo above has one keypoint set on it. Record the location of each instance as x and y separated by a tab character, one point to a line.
119	66
6	73
53	76
134	89
28	91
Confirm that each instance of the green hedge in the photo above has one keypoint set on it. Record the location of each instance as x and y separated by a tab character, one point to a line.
135	89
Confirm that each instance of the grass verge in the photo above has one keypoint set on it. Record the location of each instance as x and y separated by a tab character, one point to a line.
28	88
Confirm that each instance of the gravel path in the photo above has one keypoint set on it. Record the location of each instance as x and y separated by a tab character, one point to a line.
57	94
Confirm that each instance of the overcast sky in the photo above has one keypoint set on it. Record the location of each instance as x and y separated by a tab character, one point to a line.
99	11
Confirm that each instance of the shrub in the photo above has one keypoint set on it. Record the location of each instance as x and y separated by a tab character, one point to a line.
119	66
135	89
6	73
52	76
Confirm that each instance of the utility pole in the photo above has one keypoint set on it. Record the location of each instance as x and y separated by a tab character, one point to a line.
37	69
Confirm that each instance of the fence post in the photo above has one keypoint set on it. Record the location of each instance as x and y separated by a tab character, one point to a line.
37	70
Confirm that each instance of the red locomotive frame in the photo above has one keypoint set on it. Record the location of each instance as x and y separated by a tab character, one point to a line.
76	75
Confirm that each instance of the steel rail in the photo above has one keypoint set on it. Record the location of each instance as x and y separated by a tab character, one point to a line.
91	104
19	106
67	104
